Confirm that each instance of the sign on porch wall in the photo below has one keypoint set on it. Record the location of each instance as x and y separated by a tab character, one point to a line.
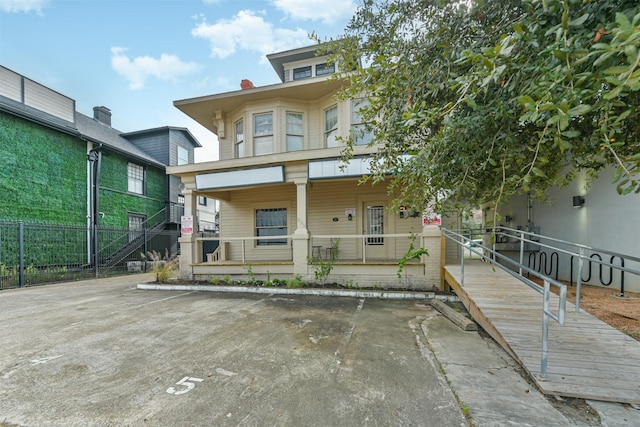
186	222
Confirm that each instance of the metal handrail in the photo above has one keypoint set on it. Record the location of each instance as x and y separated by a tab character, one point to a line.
547	313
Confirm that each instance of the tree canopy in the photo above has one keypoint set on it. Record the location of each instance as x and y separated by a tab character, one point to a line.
494	98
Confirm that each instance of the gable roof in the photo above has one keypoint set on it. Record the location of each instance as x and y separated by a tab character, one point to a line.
97	132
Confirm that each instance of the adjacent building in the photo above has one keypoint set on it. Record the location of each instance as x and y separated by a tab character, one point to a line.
60	167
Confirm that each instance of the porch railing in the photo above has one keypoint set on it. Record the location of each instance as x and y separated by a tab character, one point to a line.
320	244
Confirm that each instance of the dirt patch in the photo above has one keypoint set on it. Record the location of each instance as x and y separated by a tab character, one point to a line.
607	305
622	313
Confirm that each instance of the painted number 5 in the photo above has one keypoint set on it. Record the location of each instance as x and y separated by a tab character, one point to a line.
187	384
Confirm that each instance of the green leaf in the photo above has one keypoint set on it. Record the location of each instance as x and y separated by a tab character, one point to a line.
571	133
524	100
580	110
579	21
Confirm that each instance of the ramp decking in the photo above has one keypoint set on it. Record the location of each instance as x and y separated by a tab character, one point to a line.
586	357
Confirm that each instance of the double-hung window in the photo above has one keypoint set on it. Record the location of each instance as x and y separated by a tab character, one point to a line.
239	139
361	135
263	134
295	134
269	223
331	126
135	175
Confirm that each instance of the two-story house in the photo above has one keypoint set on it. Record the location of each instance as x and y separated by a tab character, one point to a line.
285	197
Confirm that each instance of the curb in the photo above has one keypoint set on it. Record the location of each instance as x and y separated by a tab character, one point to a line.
318	292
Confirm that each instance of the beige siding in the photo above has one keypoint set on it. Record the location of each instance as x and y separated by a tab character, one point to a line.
10	84
49	101
238	220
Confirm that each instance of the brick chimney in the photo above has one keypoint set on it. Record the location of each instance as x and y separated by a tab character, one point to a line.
102	114
246	84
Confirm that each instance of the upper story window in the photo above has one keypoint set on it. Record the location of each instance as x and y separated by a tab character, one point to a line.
301	73
239	139
180	199
331	126
135	174
202	200
323	69
361	136
295	134
263	134
183	156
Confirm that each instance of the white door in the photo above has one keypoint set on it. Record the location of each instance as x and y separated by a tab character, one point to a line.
374	221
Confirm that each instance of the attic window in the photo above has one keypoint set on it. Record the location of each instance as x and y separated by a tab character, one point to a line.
324	69
301	73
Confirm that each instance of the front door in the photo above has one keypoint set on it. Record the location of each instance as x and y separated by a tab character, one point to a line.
374	221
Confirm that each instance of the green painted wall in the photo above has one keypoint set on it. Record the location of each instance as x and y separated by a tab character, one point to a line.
43	174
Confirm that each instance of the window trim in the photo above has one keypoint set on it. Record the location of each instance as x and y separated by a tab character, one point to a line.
185	161
143	180
276	206
301	73
239	143
359	132
334	129
288	134
326	69
264	136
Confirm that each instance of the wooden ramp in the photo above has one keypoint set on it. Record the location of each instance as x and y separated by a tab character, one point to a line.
586	358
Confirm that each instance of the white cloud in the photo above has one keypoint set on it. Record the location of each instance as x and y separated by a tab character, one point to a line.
327	11
248	31
137	71
14	6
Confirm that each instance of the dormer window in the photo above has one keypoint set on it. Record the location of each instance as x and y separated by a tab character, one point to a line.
324	69
302	73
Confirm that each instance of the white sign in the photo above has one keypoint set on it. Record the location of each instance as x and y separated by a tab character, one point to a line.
187	224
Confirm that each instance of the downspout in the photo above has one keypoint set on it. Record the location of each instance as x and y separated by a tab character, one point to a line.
95	158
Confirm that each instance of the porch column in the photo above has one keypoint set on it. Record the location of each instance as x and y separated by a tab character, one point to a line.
301	234
188	243
431	240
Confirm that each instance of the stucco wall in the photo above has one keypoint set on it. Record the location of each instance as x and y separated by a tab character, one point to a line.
607	221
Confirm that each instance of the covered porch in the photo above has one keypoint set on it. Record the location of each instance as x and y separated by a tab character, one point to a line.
284	215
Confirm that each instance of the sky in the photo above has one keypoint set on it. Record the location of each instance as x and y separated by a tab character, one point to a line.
136	57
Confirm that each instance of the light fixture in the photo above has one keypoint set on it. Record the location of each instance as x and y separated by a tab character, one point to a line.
578	201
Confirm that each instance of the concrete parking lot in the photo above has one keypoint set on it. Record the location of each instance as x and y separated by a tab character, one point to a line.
103	353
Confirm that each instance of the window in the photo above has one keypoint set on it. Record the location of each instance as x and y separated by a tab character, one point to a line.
136	226
323	69
331	126
295	134
239	139
136	178
180	199
263	134
361	135
301	73
271	222
183	156
202	200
